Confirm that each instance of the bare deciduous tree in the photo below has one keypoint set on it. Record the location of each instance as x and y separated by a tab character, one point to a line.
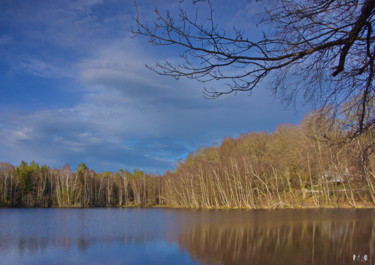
323	49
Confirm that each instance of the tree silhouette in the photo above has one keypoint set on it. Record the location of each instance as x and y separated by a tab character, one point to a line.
322	49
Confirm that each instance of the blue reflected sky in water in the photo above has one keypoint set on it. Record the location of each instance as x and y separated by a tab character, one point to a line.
154	252
89	236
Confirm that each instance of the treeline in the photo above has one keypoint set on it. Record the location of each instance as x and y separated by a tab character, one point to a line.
40	186
316	163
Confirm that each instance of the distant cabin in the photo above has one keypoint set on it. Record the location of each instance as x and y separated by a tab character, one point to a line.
339	178
334	178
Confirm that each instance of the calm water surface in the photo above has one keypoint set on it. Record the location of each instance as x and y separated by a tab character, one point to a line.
166	236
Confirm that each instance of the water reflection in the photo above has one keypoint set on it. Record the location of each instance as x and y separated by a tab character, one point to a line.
162	236
89	236
33	244
284	241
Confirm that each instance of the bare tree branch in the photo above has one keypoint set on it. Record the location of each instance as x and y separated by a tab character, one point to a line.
323	49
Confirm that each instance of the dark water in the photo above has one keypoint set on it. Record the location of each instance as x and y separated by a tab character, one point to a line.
166	236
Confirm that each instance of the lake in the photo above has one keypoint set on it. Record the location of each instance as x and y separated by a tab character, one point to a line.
180	236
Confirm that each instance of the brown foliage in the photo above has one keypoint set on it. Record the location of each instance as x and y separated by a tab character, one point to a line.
286	168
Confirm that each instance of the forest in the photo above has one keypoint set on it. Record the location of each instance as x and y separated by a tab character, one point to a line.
31	185
313	164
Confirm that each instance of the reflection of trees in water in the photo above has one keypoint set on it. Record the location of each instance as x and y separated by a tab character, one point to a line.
32	245
299	243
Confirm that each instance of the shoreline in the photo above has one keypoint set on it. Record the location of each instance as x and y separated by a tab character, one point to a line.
303	207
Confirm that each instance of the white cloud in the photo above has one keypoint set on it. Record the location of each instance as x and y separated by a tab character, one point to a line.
41	68
128	117
131	123
19	135
48	37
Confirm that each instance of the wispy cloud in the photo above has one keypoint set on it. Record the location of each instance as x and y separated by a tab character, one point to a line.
41	68
130	123
127	116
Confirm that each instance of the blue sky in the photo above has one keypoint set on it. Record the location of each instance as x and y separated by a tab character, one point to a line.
74	88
